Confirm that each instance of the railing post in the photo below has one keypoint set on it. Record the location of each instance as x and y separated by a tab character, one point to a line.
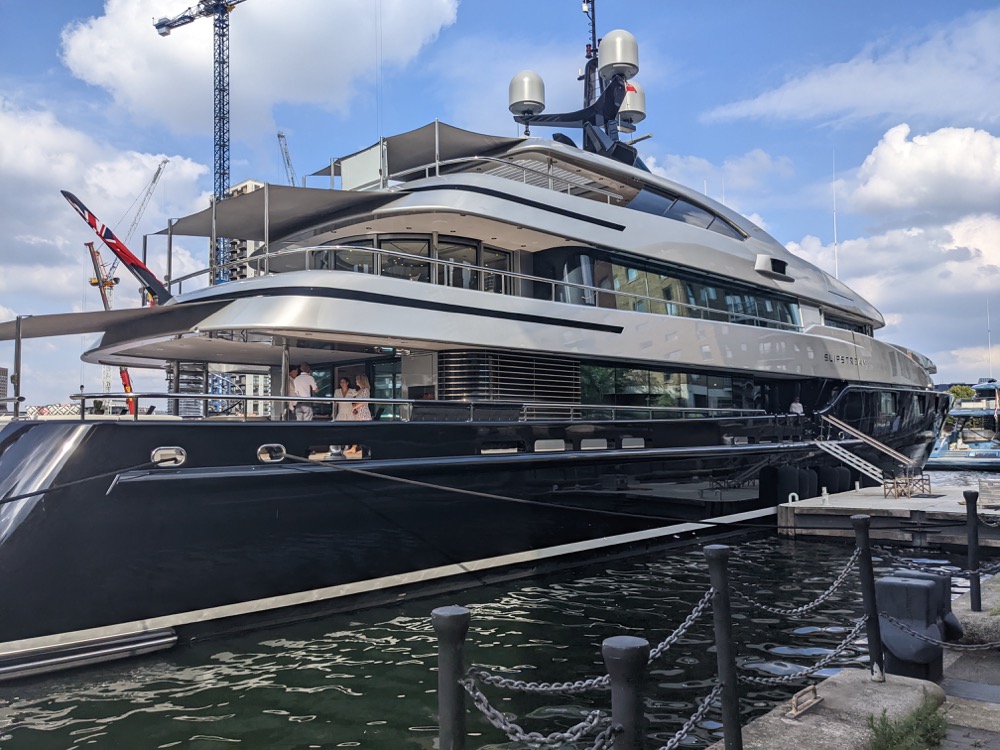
17	367
625	658
451	625
717	556
972	527
866	571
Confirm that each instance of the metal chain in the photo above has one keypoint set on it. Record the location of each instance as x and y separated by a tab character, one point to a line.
992	523
696	717
928	639
987	570
671	639
594	683
837	583
517	733
579	686
844	645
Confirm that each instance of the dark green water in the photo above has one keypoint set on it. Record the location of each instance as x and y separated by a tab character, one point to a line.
367	679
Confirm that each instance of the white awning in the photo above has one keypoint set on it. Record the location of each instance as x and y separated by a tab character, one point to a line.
287	210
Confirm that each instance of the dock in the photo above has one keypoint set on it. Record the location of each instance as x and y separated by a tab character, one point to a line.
928	519
969	695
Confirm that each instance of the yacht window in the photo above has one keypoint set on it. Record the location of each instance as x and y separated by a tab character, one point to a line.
402	267
690	214
498	260
464	254
722	226
654	202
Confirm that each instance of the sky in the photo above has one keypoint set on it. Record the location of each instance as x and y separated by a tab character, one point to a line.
877	122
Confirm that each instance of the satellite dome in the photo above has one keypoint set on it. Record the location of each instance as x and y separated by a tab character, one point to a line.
527	93
633	109
618	53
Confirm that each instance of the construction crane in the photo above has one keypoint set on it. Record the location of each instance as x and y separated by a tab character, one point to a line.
105	283
219	11
141	210
289	169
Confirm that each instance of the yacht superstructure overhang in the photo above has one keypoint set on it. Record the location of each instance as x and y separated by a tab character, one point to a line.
524	193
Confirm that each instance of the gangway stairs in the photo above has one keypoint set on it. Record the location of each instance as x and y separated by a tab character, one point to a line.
909	481
851	459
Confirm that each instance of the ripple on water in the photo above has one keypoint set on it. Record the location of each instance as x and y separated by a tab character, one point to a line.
367	679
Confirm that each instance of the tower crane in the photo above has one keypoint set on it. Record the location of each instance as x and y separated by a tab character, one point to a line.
219	10
105	284
142	209
287	157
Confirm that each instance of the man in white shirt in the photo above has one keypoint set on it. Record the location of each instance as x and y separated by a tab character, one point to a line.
304	387
796	407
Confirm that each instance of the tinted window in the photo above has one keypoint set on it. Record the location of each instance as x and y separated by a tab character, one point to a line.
690	214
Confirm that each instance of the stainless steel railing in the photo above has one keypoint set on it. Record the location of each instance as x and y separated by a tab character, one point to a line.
410	410
501	281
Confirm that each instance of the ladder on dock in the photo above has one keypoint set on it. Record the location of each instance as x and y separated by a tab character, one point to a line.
909	481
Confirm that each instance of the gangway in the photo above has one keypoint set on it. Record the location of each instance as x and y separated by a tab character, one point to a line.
909	481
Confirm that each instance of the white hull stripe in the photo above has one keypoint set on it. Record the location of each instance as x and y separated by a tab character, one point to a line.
44	643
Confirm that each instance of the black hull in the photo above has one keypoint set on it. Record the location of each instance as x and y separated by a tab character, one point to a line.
226	536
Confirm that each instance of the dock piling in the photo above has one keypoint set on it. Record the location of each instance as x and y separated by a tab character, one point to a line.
625	658
972	525
717	556
451	624
866	570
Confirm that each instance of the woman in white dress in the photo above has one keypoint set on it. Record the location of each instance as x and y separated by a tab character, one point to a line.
345	409
360	411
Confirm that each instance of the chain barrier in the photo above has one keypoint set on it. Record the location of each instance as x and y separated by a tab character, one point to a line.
987	570
808	672
595	683
477	674
928	639
837	583
671	639
696	717
516	733
993	522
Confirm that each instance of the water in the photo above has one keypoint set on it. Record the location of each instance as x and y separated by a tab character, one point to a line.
367	679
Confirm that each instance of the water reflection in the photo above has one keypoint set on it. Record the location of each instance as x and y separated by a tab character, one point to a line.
367	679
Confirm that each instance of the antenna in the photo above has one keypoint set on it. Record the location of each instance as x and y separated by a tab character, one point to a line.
989	339
836	250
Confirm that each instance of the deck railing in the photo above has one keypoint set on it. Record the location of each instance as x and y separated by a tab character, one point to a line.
429	270
425	410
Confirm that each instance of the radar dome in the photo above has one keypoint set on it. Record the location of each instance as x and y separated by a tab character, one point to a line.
618	53
633	109
527	93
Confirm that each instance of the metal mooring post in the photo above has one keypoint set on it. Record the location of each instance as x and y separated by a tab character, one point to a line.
866	571
725	650
451	625
972	525
625	658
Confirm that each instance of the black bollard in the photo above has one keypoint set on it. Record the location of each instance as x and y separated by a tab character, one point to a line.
866	571
451	625
725	650
972	525
625	658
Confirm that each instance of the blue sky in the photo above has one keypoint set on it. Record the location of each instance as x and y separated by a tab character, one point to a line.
752	102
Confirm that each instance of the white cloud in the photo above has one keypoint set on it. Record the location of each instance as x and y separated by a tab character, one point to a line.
297	51
932	285
45	262
951	171
949	72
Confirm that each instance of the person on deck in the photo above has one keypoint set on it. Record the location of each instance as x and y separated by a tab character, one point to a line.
305	387
344	411
289	411
796	407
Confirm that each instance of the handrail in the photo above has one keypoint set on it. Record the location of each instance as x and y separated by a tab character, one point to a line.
506	163
404	407
879	446
589	292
